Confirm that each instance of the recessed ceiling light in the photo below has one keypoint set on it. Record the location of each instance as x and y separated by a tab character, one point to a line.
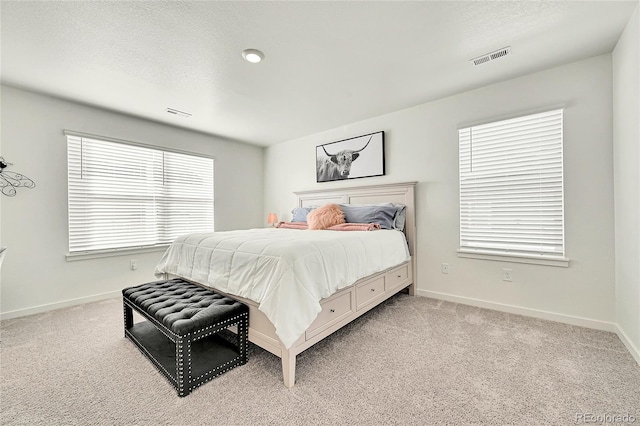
252	55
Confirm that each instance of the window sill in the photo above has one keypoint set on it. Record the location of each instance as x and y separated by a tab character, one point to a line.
96	254
559	262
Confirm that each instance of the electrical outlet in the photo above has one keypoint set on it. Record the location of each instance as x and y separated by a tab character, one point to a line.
506	274
133	265
445	268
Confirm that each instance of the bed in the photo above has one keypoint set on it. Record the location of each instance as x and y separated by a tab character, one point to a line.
288	316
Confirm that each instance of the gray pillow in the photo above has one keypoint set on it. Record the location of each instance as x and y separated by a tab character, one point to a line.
300	214
388	215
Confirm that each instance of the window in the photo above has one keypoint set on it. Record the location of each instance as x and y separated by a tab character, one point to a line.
123	195
511	188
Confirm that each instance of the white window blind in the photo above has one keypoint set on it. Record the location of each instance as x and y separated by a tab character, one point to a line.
511	187
129	196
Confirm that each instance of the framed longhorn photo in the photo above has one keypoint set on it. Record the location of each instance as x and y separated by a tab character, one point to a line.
362	156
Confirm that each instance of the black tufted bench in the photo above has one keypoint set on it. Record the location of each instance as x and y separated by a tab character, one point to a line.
183	334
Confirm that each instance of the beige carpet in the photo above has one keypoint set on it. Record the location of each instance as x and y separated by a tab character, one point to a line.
413	360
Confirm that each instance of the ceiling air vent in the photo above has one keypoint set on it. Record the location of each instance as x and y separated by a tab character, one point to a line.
491	56
178	112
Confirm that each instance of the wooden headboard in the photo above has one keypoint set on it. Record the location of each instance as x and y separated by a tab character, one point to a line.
403	193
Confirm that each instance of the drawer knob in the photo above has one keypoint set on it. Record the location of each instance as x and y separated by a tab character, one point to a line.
373	289
399	276
332	310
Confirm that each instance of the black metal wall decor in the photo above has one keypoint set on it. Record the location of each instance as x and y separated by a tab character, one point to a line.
9	181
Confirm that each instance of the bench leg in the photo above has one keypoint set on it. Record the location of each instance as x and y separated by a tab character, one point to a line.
128	316
243	337
183	366
288	368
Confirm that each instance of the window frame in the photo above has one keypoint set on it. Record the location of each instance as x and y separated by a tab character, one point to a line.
122	251
494	254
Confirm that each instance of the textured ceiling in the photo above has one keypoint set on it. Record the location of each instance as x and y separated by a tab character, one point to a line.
327	64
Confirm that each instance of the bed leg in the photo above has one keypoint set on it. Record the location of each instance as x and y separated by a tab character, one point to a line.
412	289
288	368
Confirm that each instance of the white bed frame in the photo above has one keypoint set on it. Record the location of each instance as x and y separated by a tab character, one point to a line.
349	303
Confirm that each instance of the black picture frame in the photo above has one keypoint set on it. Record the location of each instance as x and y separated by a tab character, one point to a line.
353	158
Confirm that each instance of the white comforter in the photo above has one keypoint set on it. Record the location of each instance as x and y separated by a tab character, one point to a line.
286	271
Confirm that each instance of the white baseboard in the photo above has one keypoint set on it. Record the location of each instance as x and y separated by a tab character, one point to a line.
58	305
535	313
635	352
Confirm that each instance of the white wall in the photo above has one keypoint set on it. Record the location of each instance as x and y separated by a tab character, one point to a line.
35	274
421	144
626	148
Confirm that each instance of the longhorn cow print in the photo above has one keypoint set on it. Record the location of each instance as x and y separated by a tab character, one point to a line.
337	166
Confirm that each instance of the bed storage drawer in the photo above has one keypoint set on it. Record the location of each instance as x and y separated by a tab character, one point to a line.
369	291
334	310
396	277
